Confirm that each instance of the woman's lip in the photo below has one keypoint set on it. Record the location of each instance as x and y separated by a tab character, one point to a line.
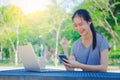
81	31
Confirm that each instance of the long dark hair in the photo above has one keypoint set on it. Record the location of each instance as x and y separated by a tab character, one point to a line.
86	16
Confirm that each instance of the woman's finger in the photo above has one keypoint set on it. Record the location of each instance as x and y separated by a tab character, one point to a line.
66	64
67	61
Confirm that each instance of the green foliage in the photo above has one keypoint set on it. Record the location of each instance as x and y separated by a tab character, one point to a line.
114	56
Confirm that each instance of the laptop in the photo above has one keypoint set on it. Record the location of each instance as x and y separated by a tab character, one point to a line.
30	60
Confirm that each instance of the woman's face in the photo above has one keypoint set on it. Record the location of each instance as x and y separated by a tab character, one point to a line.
81	26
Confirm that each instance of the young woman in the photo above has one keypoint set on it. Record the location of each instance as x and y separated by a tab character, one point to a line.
90	52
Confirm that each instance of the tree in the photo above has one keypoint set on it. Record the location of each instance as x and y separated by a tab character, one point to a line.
57	17
10	21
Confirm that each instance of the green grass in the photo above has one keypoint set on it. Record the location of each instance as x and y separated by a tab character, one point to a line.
114	65
48	64
10	64
20	64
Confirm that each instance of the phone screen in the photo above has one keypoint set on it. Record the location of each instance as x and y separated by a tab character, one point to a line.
61	57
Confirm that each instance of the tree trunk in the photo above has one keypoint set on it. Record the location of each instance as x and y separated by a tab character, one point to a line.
16	59
16	52
1	52
13	46
56	49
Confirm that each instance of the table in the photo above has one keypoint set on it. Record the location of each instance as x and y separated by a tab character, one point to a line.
21	74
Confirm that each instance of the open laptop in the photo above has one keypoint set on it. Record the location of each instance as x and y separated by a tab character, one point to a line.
30	60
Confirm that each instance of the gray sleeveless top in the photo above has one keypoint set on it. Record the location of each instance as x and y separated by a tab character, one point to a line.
88	55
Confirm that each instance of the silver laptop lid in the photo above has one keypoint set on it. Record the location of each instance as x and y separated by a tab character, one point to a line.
29	58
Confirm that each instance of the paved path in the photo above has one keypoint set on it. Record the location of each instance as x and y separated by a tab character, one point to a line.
110	68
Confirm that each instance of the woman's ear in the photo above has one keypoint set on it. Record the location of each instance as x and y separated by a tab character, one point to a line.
89	22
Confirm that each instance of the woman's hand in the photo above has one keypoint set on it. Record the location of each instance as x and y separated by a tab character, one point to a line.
64	43
67	67
71	63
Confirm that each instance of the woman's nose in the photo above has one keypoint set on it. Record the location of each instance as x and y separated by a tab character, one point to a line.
78	27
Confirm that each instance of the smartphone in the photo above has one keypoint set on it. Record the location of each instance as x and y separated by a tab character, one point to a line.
61	57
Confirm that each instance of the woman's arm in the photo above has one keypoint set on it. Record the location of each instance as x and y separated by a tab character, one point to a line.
102	67
64	44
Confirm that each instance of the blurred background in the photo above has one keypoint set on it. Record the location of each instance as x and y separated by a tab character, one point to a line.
43	23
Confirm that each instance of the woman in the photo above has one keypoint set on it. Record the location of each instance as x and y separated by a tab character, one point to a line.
90	52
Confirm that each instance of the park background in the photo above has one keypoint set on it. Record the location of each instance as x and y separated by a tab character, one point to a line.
43	23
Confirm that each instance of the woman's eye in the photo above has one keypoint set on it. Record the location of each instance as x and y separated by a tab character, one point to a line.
75	25
80	24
